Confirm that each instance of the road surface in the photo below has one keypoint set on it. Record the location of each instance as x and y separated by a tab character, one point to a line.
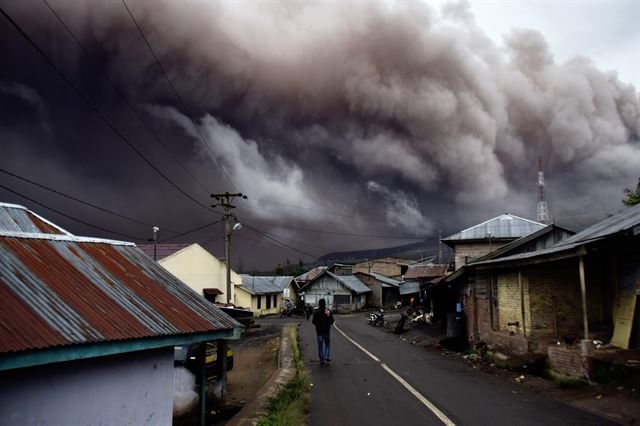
377	379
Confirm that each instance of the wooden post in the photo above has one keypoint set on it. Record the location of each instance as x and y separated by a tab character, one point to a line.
524	328
221	361
203	383
583	293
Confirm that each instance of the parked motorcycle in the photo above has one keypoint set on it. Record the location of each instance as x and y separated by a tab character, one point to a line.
376	318
424	318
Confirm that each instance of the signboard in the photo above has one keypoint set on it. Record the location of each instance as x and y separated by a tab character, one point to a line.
624	309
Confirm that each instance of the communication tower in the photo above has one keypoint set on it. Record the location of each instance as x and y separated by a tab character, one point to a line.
543	211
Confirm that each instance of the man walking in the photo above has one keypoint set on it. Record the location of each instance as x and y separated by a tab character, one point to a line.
322	319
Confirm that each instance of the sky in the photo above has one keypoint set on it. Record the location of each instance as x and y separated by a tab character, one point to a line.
348	125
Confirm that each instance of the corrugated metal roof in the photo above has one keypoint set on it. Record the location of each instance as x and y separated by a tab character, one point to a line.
505	226
281	281
162	250
57	292
386	280
426	271
308	276
259	285
351	282
409	287
624	221
15	218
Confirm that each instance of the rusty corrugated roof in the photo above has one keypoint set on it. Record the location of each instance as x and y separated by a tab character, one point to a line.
58	290
15	218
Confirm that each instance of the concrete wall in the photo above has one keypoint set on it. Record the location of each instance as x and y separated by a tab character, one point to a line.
386	268
199	269
134	389
374	299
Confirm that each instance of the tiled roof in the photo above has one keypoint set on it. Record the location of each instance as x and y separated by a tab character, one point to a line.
426	271
505	226
60	290
163	250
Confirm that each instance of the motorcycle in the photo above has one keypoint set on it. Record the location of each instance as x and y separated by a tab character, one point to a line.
376	318
424	318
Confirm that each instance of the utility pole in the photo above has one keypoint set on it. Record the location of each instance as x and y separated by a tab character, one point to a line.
156	232
224	200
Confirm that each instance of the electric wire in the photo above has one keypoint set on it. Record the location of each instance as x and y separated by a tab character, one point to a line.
86	203
199	228
175	92
95	109
345	234
71	217
265	235
269	243
120	93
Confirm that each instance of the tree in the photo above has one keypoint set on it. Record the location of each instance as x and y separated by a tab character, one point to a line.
633	197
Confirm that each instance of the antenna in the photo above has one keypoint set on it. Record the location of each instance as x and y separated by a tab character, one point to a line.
543	211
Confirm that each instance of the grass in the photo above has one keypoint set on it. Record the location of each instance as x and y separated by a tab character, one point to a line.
290	406
563	381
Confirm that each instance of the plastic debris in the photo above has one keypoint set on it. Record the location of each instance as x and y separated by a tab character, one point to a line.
520	379
368	393
599	397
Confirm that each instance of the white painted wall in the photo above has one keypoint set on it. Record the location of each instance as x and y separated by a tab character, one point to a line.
199	269
130	389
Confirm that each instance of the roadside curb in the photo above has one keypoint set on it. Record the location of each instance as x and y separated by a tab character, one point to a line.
255	409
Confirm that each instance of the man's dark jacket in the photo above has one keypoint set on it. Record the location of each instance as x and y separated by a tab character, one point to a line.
322	321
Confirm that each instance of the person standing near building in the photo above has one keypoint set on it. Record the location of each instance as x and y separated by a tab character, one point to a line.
323	319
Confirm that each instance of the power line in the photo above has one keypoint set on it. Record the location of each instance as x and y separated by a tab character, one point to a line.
96	110
175	91
86	203
122	95
263	242
191	231
345	234
71	217
265	235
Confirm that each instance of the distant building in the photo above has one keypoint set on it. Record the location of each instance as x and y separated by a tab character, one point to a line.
341	293
89	327
478	240
385	291
198	268
393	267
266	295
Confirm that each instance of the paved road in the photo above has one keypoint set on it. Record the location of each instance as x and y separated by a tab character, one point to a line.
359	390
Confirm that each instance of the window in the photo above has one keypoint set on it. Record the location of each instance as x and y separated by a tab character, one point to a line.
259	302
275	300
268	301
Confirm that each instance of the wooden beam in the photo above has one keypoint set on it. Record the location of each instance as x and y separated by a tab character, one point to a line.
583	293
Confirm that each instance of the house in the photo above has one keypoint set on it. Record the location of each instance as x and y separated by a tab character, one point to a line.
583	287
289	288
196	267
431	296
478	240
385	291
304	279
341	269
89	327
264	295
479	290
393	267
341	293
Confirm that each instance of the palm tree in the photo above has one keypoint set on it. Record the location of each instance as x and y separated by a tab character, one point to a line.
633	197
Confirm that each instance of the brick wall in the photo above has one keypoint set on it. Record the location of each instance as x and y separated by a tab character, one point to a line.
555	284
565	360
509	302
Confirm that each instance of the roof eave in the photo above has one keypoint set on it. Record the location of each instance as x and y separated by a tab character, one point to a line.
14	360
